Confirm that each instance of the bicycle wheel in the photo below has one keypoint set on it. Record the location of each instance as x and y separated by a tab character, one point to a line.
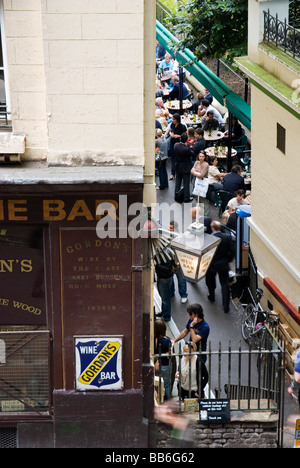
248	322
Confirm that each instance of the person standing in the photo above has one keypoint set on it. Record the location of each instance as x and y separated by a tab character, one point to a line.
200	170
183	163
162	345
175	130
162	153
182	285
199	331
294	388
220	265
164	276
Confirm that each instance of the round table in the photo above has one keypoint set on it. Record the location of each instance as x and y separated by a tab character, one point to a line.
213	135
175	105
189	120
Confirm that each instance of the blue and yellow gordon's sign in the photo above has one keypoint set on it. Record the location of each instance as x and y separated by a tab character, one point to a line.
99	363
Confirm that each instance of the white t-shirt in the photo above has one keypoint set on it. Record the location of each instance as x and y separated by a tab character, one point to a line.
212	175
233	204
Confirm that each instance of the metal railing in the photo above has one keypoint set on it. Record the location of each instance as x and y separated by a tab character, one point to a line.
25	372
252	379
282	35
161	12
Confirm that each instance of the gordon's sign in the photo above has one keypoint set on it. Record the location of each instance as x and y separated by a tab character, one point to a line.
99	363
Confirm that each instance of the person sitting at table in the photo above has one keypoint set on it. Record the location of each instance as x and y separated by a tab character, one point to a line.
183	163
209	122
233	181
159	92
159	115
208	107
197	103
200	142
200	170
166	64
214	176
175	130
236	131
233	204
174	93
238	200
159	104
208	96
191	134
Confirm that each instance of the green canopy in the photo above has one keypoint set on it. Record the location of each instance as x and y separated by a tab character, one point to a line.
221	92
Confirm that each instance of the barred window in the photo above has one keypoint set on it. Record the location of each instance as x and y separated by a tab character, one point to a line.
281	138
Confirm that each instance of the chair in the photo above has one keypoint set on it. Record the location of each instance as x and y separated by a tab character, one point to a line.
190	96
224	198
240	148
245	159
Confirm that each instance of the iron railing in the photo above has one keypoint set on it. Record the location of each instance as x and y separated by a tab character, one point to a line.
282	35
252	379
25	372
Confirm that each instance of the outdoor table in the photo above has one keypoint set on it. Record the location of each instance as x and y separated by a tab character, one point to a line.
213	135
191	119
175	105
220	151
247	179
165	76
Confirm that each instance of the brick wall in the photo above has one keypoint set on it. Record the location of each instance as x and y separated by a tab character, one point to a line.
260	432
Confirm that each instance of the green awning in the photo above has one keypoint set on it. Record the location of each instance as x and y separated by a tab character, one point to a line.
239	108
220	91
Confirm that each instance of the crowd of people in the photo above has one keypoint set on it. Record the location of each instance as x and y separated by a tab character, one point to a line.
181	159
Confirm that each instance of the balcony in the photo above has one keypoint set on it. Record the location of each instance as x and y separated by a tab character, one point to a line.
282	35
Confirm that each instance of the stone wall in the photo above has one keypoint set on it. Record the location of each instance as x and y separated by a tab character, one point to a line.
258	430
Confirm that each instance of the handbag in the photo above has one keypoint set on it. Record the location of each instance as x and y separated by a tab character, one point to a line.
201	187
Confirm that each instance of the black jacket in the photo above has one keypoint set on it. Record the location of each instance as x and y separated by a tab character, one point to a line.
233	182
183	157
225	251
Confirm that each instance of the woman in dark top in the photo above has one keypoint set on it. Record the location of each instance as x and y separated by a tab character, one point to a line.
175	131
162	345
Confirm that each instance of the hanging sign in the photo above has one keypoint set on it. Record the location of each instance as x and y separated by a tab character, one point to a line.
99	363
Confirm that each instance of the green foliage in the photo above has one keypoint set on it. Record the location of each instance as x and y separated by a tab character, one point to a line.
215	28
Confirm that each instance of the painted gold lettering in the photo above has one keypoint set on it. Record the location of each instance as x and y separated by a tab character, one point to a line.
14	209
80	209
26	266
53	210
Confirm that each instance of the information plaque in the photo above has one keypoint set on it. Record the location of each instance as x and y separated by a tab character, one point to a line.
214	411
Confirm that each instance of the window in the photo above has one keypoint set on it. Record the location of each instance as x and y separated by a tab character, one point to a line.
281	138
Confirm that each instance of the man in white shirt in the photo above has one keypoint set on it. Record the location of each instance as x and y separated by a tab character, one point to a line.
208	107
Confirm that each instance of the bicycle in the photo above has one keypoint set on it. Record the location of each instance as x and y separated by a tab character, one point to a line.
254	322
